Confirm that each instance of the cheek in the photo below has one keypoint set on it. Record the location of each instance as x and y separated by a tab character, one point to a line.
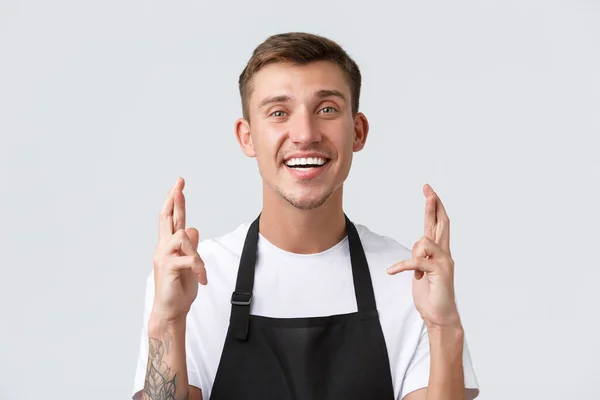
344	140
266	142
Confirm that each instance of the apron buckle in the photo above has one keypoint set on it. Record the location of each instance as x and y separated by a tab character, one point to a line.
241	298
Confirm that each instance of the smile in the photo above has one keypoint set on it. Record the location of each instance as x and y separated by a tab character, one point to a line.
306	168
306	163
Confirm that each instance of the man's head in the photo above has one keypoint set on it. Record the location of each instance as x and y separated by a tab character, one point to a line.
300	97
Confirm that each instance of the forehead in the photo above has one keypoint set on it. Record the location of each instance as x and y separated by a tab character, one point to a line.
297	81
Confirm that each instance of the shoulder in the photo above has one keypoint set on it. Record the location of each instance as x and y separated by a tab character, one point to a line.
382	247
231	242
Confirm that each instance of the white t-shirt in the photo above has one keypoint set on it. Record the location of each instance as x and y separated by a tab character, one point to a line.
291	285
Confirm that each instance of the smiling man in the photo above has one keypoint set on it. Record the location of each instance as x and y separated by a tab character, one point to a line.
301	303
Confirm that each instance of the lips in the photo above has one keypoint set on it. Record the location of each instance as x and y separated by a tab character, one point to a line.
306	162
306	168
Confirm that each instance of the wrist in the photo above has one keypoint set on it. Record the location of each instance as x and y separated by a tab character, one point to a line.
159	323
446	333
448	324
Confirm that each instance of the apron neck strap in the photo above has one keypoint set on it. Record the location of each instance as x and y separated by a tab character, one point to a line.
241	298
363	287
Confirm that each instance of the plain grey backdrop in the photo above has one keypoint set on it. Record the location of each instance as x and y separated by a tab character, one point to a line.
496	104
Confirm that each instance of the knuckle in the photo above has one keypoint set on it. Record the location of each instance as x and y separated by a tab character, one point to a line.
158	256
197	259
415	249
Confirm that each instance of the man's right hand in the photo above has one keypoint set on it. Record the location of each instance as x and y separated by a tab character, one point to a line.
177	265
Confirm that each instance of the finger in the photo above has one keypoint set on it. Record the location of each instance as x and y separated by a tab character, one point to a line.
201	273
427	248
180	242
422	248
418	274
414	264
430	212
179	206
194	236
165	219
193	263
442	226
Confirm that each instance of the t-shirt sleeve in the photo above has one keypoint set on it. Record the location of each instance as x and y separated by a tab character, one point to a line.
142	359
417	374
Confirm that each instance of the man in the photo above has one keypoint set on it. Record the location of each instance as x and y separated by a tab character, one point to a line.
301	303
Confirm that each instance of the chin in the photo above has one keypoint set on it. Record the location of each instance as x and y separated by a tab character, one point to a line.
306	204
306	200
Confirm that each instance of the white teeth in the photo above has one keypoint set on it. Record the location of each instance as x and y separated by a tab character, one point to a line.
305	161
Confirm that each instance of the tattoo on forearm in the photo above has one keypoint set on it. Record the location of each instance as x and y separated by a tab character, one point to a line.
160	384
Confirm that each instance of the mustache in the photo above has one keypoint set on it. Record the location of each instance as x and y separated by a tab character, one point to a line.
319	150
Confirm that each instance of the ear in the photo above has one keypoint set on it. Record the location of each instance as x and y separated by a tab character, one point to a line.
361	130
242	133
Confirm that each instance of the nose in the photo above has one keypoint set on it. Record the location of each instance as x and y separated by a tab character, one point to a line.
303	129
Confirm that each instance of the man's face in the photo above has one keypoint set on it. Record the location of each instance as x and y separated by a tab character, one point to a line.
302	131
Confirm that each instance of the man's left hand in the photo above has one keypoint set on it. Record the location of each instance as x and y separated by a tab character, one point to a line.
433	266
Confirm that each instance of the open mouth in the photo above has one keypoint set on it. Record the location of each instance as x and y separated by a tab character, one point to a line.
306	163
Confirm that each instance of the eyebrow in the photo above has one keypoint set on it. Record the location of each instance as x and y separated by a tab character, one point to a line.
323	93
330	92
273	99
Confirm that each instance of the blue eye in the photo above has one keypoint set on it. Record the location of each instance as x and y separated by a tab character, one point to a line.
328	108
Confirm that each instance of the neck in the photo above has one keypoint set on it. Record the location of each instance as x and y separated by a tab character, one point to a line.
303	231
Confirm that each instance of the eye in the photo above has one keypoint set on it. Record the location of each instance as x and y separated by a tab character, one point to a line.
278	113
328	110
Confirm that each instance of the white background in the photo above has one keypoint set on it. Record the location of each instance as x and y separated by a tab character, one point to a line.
103	104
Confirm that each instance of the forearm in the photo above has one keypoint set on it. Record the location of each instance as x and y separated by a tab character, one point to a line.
446	379
166	374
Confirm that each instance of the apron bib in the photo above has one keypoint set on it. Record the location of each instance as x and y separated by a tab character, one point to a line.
338	357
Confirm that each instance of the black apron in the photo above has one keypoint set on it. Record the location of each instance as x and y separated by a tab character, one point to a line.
316	358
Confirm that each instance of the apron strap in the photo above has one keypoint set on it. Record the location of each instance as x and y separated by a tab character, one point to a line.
241	299
363	288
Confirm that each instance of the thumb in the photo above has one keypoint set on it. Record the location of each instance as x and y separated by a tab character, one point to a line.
194	236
